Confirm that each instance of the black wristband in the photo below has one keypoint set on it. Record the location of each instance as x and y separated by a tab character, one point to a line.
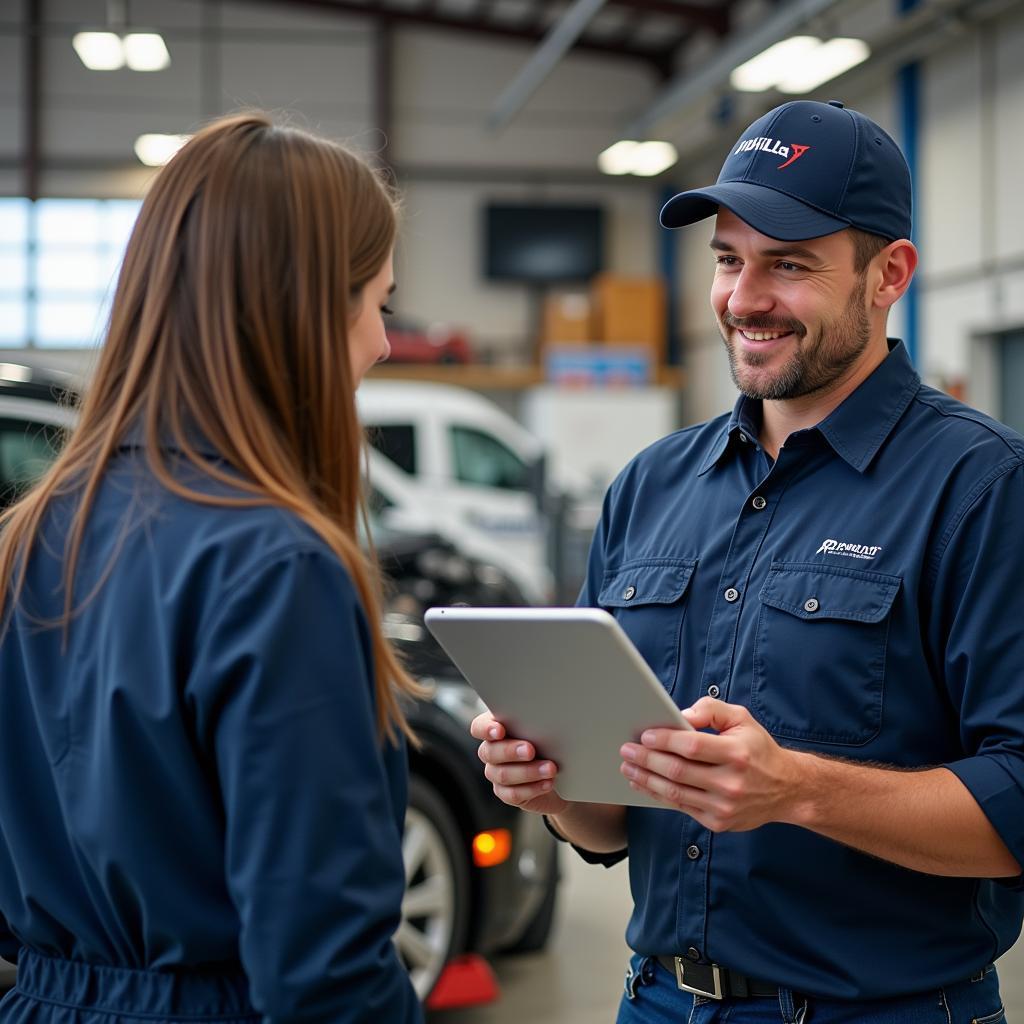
554	831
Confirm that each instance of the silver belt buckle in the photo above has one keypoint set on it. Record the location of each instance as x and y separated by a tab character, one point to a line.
716	974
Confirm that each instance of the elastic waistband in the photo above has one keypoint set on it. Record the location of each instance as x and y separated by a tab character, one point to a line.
187	995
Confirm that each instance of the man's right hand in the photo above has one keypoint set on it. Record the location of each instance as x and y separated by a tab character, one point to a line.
512	768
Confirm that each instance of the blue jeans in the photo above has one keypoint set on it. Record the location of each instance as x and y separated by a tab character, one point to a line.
651	997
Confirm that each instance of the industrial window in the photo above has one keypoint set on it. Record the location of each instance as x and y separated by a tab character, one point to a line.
58	264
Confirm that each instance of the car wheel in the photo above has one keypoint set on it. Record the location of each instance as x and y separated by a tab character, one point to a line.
536	934
435	909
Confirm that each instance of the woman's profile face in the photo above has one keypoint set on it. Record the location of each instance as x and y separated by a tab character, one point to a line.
367	342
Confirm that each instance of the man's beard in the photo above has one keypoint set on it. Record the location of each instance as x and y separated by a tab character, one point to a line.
811	368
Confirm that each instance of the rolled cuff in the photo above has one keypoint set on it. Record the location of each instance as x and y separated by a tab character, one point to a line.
1001	797
607	859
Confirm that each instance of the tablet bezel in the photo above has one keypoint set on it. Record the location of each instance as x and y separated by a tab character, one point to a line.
569	680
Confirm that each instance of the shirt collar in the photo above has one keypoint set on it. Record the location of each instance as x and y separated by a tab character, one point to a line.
135	437
879	402
744	424
860	426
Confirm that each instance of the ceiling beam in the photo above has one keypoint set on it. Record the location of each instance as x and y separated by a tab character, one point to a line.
715	17
557	43
689	87
383	89
33	50
405	16
925	30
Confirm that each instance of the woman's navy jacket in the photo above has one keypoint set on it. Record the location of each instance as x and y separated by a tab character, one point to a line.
195	811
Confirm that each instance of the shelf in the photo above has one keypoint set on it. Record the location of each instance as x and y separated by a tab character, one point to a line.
470	375
495	378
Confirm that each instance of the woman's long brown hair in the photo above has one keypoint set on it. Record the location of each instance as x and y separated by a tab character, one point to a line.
230	318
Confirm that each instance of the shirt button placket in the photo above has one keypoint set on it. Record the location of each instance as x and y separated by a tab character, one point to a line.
750	530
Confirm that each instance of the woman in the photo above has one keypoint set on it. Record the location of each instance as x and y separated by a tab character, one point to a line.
202	776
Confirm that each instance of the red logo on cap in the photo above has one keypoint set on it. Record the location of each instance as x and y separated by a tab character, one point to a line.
798	151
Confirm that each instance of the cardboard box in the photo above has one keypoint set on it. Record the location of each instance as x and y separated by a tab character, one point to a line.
630	311
567	318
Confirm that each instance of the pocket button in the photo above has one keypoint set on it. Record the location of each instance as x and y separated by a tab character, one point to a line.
629	593
811	604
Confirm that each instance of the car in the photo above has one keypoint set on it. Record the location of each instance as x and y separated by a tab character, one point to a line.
464	461
416	343
482	876
494	900
405	506
36	407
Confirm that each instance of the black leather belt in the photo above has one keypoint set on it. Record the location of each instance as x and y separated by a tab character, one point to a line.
712	981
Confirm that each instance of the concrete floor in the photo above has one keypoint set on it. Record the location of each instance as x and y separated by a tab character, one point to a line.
578	980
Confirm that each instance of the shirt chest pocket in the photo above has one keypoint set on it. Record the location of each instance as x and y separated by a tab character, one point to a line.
648	597
819	652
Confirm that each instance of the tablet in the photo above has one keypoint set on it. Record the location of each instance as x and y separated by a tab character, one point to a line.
567	679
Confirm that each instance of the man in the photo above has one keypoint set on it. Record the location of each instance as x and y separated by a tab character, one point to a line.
826	581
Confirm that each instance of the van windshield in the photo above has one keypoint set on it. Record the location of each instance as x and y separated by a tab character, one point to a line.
482	460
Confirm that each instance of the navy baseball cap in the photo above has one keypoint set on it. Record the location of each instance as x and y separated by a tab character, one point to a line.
807	169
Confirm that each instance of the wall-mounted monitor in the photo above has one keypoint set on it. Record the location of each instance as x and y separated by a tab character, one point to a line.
543	244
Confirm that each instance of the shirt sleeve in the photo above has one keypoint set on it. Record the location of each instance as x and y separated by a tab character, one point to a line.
977	639
313	849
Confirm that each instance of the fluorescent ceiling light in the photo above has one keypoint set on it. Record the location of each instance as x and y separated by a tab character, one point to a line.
145	51
763	71
652	158
799	64
618	159
643	158
830	60
155	150
99	51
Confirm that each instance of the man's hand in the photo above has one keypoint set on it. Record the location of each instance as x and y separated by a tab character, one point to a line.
732	780
517	777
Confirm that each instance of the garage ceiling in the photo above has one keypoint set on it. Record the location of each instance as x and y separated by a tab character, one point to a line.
650	31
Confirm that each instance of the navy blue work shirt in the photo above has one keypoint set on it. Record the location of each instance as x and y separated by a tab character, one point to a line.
861	596
195	782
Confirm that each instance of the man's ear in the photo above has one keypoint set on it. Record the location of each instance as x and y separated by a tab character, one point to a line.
891	272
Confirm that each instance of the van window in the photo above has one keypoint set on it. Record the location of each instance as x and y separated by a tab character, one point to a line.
483	460
398	442
377	502
26	451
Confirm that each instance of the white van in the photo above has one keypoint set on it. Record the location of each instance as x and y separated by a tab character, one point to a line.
407	508
470	467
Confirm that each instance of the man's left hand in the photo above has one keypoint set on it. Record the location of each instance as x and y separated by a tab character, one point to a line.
730	780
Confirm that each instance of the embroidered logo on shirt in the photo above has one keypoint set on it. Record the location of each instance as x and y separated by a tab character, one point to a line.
838	547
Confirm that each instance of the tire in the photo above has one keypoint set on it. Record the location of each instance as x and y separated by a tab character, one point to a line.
435	909
536	934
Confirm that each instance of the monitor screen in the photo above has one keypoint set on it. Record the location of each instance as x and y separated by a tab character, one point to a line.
543	243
